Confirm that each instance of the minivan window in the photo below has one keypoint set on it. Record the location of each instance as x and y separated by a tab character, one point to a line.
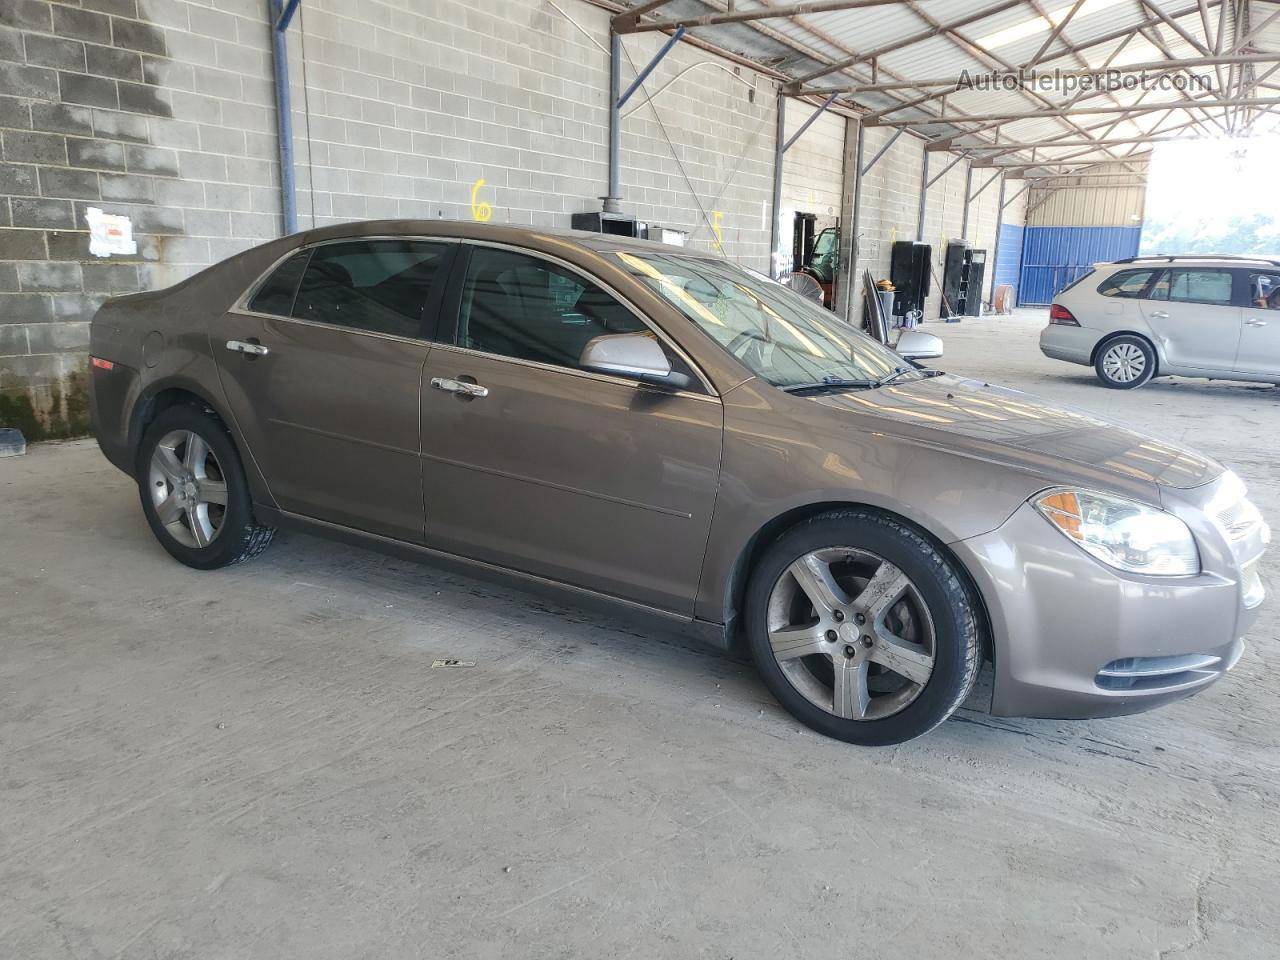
379	286
1126	283
1264	291
277	293
519	306
1194	286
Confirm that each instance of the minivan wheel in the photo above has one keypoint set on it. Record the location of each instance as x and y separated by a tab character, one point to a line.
1125	362
862	628
194	493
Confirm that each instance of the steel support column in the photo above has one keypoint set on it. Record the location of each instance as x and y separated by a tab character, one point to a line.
613	194
847	278
280	14
964	215
995	247
779	148
924	193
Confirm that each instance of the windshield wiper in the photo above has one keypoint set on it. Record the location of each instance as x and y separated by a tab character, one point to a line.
902	373
829	383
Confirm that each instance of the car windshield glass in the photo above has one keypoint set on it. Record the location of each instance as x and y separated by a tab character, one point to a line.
781	337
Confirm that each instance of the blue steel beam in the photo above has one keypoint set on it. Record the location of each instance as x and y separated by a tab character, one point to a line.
281	14
643	75
808	123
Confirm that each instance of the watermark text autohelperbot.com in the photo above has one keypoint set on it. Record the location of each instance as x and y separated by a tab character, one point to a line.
1063	81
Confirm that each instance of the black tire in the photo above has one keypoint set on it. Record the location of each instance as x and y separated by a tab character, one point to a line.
238	536
1112	371
939	584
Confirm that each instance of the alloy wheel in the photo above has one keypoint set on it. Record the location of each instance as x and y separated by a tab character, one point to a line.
1124	363
851	633
188	488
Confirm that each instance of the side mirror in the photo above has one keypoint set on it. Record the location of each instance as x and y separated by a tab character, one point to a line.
634	355
915	345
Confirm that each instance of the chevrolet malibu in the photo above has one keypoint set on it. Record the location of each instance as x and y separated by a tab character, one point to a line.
663	431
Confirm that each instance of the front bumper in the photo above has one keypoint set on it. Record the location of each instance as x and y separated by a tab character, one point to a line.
1074	638
1073	344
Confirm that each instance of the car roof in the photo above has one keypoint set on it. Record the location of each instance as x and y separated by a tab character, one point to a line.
1196	260
533	237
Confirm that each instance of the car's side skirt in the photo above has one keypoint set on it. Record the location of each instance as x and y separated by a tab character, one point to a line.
653	618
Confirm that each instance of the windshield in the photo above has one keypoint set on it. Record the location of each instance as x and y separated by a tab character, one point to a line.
781	337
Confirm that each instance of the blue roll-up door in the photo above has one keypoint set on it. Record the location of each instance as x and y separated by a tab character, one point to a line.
1054	256
1009	257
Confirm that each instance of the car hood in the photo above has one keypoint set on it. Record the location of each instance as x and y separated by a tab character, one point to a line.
999	417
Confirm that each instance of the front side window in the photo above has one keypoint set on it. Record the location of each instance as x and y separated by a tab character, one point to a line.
1264	291
1126	283
276	294
519	306
379	286
1194	286
784	339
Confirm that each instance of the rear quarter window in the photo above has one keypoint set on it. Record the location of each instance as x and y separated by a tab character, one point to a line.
1126	283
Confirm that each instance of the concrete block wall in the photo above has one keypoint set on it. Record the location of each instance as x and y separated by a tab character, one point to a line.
403	109
160	110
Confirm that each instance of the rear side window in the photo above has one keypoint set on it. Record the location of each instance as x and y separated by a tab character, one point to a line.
1194	286
276	295
1126	283
379	286
519	306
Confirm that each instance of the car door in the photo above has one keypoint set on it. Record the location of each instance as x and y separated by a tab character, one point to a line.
1193	313
322	368
1259	351
592	480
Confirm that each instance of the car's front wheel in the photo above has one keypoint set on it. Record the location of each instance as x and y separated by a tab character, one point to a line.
862	628
1125	362
194	492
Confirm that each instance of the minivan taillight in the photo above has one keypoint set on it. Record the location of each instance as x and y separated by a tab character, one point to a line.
1062	316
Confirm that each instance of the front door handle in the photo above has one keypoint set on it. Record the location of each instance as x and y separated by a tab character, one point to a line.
1160	315
1255	322
244	346
460	387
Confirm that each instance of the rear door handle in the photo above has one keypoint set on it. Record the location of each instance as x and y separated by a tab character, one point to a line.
1160	315
460	387
1255	322
244	346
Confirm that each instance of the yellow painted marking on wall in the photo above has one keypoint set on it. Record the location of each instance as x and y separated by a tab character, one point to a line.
481	210
716	217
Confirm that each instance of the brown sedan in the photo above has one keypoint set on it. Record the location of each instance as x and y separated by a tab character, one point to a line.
665	431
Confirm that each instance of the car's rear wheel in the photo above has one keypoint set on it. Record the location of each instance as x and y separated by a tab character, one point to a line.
1125	362
862	628
194	493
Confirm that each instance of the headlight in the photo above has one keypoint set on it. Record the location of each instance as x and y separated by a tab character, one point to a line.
1122	533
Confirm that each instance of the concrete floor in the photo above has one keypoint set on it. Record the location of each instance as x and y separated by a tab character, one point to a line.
262	762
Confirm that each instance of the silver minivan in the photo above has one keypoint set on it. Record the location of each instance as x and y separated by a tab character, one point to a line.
1145	317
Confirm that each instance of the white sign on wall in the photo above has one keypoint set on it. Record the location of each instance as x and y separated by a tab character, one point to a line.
109	233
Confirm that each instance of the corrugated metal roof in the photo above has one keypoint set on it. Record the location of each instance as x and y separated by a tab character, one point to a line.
911	46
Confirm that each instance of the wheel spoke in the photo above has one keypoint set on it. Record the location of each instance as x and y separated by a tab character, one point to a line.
193	457
850	697
813	574
212	491
169	464
198	524
169	510
882	591
906	659
791	642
